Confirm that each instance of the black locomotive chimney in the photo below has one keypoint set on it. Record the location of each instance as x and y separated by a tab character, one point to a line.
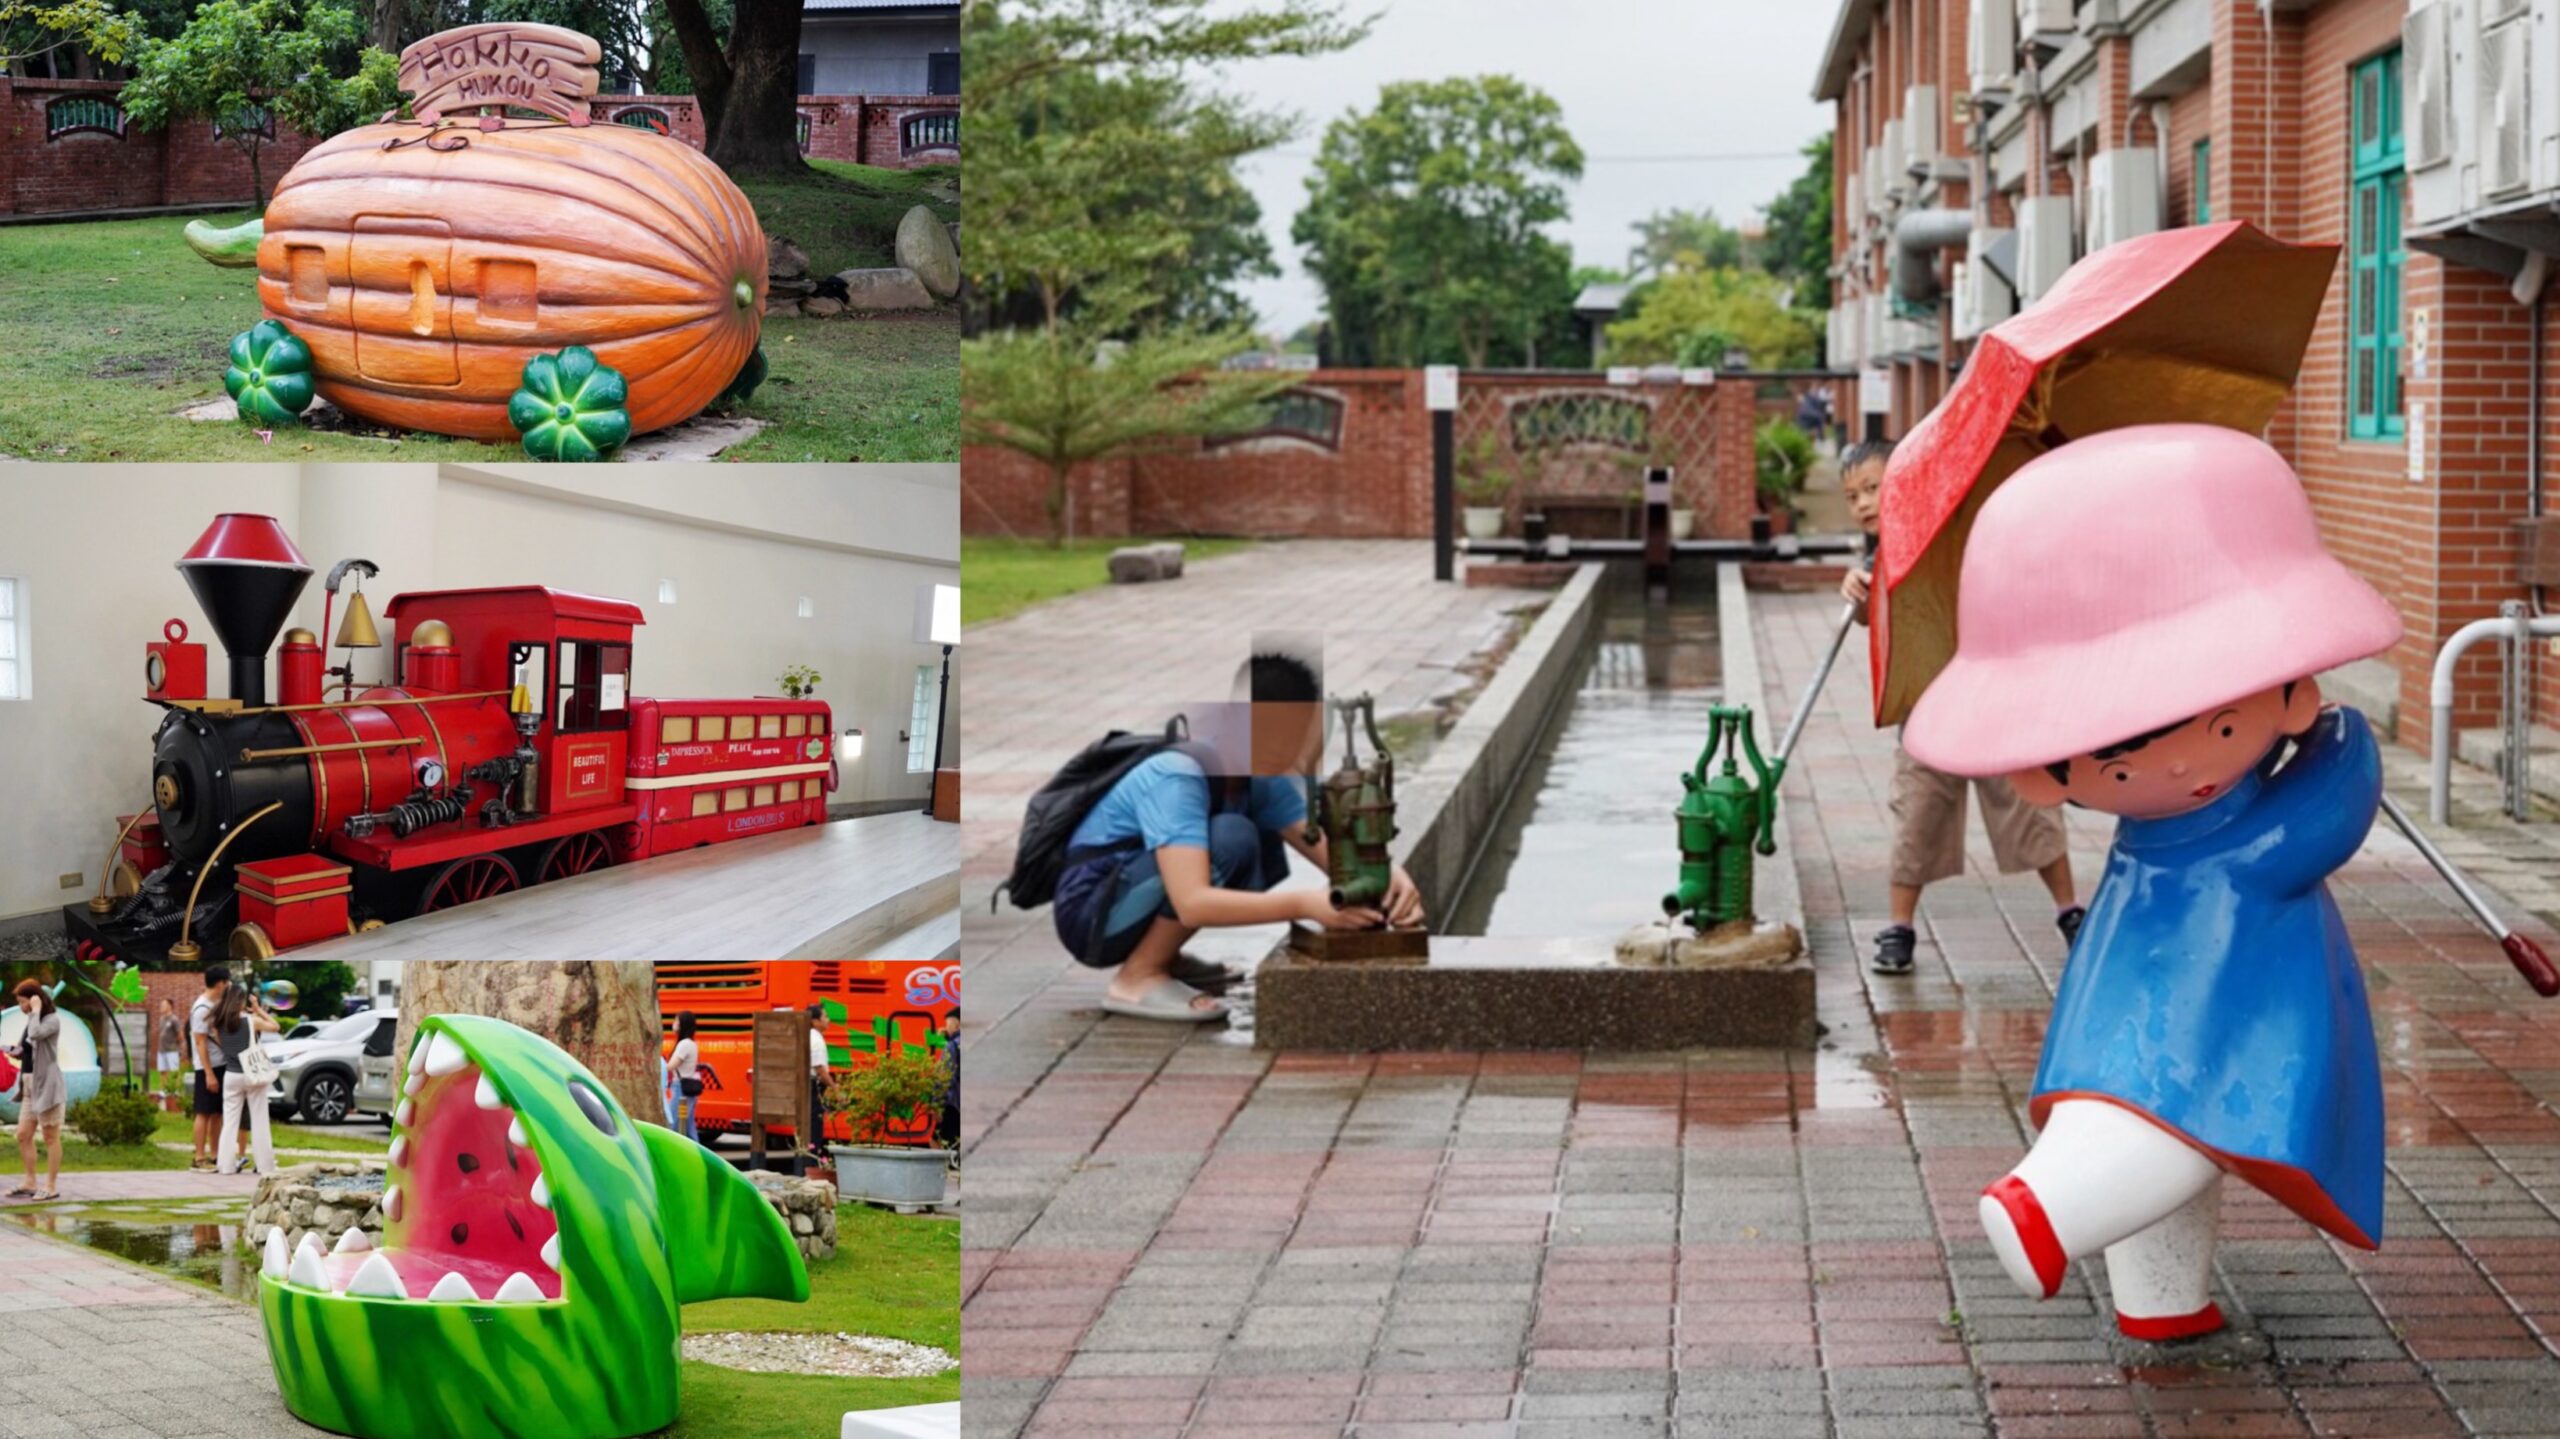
246	574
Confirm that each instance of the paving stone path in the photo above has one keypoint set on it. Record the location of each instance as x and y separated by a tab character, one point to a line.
1172	1234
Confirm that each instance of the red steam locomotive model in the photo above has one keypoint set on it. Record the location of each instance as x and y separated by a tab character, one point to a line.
508	750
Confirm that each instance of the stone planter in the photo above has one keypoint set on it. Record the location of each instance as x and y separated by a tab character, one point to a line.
906	1179
1683	523
1484	522
327	1198
808	1206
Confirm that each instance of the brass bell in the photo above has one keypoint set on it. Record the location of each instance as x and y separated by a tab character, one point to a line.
356	631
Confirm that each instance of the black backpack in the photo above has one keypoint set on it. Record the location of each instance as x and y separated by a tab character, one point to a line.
1040	852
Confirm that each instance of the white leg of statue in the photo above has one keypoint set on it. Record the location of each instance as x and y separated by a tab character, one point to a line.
2162	1276
2098	1173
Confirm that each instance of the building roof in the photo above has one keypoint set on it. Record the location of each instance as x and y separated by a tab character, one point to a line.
1601	299
1840	54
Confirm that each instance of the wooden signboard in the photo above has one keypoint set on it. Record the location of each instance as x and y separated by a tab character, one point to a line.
536	67
781	1080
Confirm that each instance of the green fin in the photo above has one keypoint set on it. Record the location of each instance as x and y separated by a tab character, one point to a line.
233	249
724	1240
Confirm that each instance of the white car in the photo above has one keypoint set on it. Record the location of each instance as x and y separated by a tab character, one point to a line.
322	1077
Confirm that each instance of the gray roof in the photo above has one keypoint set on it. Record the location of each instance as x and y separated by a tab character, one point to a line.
1601	299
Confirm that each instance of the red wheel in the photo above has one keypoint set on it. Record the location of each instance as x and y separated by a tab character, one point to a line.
464	880
572	854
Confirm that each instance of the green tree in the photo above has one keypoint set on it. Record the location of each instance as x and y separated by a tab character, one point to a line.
1676	239
1728	306
1798	250
36	35
1425	223
298	62
1066	396
747	79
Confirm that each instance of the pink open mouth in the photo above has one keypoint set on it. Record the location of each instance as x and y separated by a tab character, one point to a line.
467	1212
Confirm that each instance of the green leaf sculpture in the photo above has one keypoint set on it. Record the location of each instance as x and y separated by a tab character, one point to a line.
270	374
750	375
570	407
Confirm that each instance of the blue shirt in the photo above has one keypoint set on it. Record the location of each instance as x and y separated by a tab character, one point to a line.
1165	800
2213	987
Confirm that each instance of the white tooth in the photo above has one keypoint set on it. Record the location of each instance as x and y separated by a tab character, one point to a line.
551	1252
377	1278
417	1080
276	1262
311	1242
353	1241
519	1290
453	1288
399	1150
391	1202
306	1271
407	1111
444	1056
515	1133
485	1095
541	1192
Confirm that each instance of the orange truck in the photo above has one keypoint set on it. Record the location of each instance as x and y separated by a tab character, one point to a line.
872	1004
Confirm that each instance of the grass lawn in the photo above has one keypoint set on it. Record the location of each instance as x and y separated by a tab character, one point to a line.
891	1275
80	1154
1003	575
117	325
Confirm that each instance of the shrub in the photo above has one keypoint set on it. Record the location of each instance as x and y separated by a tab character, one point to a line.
116	1118
1784	455
1483	476
897	1085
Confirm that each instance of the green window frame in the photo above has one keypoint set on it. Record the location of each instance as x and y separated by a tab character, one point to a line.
2200	208
2375	254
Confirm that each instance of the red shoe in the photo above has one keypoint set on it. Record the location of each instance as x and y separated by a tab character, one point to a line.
2034	1232
2174	1326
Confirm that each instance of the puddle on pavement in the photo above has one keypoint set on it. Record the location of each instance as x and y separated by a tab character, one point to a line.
201	1251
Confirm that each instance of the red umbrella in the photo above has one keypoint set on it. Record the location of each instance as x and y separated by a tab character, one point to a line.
2204	324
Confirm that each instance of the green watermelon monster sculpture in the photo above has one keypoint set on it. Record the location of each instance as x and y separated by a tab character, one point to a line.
536	1247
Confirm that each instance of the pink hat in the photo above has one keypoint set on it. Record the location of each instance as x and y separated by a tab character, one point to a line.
2130	580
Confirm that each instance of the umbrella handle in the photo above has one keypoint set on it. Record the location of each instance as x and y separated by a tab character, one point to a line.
1813	690
2532	963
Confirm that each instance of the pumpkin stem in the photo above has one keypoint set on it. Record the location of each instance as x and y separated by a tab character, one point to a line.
745	290
233	249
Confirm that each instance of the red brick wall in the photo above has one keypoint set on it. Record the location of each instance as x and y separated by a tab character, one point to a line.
2190	120
185	165
1376	481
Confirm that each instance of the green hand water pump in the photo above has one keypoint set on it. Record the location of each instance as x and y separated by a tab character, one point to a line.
1358	813
1723	819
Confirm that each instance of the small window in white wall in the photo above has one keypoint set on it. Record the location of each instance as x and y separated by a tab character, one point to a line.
13	639
920	722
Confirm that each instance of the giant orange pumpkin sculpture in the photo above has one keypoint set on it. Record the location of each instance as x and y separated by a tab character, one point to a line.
425	263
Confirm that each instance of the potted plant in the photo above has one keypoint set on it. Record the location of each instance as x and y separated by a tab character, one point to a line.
1784	456
898	1090
1484	481
799	682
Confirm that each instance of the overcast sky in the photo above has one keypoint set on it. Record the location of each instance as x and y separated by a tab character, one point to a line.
1638	80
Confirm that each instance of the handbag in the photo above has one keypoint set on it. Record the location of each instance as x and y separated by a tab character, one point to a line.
256	1065
692	1088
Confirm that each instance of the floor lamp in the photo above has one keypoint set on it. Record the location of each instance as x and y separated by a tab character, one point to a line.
938	623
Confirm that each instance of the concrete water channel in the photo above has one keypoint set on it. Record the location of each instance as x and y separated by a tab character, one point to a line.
1544	823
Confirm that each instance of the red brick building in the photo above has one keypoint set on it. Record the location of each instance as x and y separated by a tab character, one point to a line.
1982	147
65	147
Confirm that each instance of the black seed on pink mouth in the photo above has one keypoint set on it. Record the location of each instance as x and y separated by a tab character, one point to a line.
462	1234
470	1163
512	1223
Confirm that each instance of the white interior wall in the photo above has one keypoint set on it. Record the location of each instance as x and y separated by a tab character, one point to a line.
96	546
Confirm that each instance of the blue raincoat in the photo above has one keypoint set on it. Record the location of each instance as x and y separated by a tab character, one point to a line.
2213	988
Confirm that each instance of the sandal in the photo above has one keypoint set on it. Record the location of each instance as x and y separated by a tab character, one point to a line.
1206	975
1166	999
22	1192
48	1196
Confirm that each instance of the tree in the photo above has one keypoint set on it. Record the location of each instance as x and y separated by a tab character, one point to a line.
749	87
1798	250
32	30
1065	396
1728	307
1425	222
251	65
603	1012
1676	239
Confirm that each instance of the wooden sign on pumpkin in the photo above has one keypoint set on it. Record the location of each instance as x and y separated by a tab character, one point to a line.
545	68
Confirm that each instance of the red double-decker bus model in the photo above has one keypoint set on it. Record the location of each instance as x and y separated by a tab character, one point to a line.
872	1006
507	750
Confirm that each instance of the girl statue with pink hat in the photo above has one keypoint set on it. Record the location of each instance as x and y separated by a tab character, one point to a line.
2140	617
